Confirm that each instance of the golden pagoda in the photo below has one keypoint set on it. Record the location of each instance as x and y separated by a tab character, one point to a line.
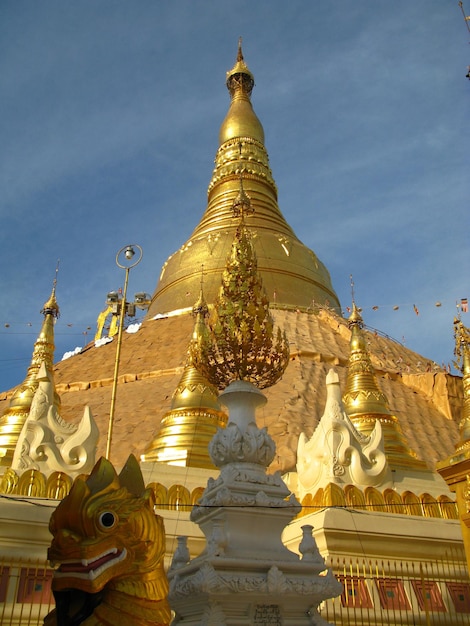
187	428
292	274
14	417
404	521
365	403
426	399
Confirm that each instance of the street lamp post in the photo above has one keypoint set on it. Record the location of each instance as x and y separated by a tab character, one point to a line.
125	260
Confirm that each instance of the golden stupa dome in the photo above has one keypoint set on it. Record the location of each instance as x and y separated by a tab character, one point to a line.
292	275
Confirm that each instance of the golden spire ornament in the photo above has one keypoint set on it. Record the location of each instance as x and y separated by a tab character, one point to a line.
238	341
13	419
287	267
365	403
195	414
462	363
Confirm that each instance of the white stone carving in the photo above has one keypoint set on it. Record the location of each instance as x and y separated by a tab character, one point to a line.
47	442
337	452
213	615
245	570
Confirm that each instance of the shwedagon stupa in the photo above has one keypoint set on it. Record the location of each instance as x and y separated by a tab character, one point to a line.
423	397
398	407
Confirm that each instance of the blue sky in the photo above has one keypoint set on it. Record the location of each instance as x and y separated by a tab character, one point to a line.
110	113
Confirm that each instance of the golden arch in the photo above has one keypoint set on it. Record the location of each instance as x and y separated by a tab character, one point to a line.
412	503
160	495
32	484
307	503
354	497
430	505
448	507
58	485
374	499
196	495
9	481
317	500
178	498
333	495
393	501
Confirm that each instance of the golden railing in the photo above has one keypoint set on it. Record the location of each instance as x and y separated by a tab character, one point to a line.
376	592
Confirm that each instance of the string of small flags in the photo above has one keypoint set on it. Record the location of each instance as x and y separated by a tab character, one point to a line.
13	326
461	306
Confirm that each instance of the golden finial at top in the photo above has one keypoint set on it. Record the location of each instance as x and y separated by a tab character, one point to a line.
240	77
355	319
50	306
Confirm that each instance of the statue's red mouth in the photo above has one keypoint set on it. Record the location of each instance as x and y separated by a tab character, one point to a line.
91	568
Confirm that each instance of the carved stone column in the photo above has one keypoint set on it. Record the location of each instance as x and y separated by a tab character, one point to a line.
246	575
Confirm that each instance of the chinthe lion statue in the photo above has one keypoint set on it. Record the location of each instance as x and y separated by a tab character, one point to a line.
108	548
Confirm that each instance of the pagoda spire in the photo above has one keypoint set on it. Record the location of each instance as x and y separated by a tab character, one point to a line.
195	414
287	266
365	403
13	419
241	120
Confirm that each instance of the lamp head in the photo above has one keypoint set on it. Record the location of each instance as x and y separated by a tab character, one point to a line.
129	252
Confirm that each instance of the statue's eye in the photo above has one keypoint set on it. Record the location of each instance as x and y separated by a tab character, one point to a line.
107	519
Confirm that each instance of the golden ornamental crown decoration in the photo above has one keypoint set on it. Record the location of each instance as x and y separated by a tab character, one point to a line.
238	341
51	307
239	78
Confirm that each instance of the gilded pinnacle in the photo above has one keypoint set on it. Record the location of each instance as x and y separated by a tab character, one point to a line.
195	414
242	204
50	306
288	268
239	78
238	340
365	403
13	419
